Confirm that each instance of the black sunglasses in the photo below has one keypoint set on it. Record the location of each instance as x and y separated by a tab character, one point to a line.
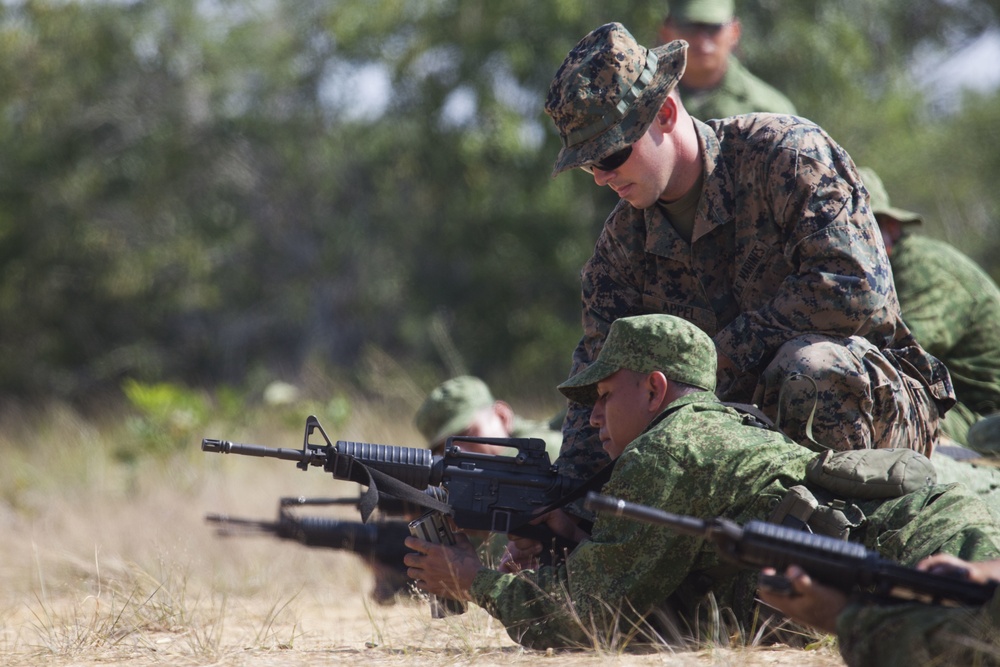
609	162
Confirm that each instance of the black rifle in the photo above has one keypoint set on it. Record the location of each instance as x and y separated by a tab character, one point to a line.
379	544
485	492
839	564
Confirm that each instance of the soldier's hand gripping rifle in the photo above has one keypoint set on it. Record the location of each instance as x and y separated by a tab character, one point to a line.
379	544
839	564
485	492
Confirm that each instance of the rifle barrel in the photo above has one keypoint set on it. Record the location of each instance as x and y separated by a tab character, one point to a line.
682	524
312	457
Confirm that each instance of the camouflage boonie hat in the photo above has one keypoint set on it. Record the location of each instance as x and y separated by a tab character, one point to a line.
451	408
607	92
710	12
880	199
647	343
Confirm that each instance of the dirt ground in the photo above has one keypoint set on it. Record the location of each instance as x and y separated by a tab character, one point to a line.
121	568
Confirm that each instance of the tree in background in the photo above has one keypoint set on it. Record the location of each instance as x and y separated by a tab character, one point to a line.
212	193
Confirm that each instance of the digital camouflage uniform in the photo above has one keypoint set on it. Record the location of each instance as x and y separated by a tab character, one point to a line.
908	635
700	459
953	309
739	92
784	245
703	459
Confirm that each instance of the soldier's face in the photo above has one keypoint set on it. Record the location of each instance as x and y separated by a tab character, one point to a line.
709	48
621	412
891	230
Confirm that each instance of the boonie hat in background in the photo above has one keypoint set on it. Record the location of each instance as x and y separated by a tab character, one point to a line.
451	408
647	343
710	12
607	92
880	199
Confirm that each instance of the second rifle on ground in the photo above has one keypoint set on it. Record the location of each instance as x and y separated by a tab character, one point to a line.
379	544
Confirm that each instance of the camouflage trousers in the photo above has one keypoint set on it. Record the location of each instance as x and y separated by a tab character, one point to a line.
845	394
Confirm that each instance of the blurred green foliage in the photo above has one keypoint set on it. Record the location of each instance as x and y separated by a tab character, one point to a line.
221	194
167	418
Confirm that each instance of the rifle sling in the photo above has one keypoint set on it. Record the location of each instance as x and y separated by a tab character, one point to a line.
395	488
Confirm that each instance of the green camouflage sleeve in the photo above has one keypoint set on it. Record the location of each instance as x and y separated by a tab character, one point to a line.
953	308
601	584
620	573
907	635
687	464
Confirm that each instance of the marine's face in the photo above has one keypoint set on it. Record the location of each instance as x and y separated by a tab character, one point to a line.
709	48
643	177
621	411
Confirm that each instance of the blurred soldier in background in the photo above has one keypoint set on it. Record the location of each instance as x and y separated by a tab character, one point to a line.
953	308
464	406
715	83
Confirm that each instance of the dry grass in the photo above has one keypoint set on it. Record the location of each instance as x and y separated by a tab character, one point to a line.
108	563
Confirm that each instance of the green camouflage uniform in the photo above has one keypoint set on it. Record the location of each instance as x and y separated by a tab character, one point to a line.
909	635
699	458
953	309
784	244
739	92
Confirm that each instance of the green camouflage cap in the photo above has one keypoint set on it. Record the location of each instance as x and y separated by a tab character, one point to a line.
607	92
712	12
647	343
880	199
451	408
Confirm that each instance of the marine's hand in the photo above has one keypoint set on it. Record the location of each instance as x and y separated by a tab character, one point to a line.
980	572
445	571
807	602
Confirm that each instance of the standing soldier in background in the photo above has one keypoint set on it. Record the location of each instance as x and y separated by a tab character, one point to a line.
715	83
953	308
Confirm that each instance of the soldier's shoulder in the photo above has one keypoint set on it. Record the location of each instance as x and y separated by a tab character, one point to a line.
924	251
757	94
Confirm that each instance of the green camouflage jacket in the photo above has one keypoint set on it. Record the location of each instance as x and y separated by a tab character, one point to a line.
953	309
699	458
909	635
784	244
739	92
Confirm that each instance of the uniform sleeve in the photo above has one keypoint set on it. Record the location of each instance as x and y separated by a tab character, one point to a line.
624	570
841	278
905	635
